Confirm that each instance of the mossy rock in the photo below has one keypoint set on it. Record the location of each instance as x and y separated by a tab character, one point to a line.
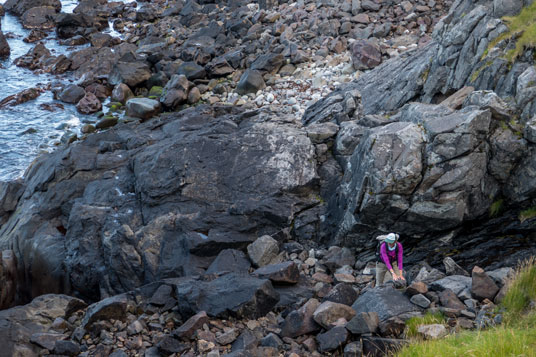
156	91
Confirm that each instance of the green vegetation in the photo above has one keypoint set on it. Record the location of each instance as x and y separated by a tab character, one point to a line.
496	208
515	337
527	214
476	73
412	325
156	91
522	28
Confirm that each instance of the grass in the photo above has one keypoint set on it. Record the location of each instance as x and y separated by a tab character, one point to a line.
527	214
413	324
522	27
496	208
515	337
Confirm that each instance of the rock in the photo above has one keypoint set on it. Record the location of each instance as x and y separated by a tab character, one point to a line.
66	348
354	349
286	273
456	100
191	70
507	7
489	100
456	283
338	257
329	312
40	17
10	192
229	260
47	340
392	327
20	7
263	251
194	95
121	93
89	104
72	94
106	122
169	345
130	73
250	82
175	92
227	337
268	63
365	54
272	340
452	268
449	299
231	294
301	322
110	308
432	332
5	51
417	287
502	276
143	108
342	293
370	5
135	328
195	322
364	323
245	342
321	132
483	287
420	300
386	301
8	277
378	346
332	339
219	67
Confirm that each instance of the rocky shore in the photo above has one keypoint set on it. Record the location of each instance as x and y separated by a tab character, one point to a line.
225	199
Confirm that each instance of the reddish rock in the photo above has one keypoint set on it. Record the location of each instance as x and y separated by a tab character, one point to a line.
365	54
89	104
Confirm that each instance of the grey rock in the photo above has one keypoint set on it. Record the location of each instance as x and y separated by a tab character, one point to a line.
47	339
502	276
231	294
365	54
191	70
507	7
433	331
230	260
269	63
353	349
187	329
263	251
370	5
121	93
342	293
250	82
332	339
169	345
89	104
110	308
364	323
529	133
379	346
452	268
143	108
491	101
72	94
300	322
386	301
321	132
130	73
175	92
67	348
420	300
271	340
285	273
427	276
338	257
20	7
456	283
39	17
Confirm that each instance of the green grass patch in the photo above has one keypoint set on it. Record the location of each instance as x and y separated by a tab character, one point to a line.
412	325
522	28
527	214
496	208
515	337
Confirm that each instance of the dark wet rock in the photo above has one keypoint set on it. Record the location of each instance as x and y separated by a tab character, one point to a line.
18	324
191	70
332	339
99	40
285	273
364	323
89	104
169	345
219	67
263	250
231	294
272	340
5	51
301	322
66	348
386	301
143	108
106	122
483	287
72	94
338	257
379	346
110	308
34	58
175	92
70	25
8	278
353	349
19	7
365	54
268	63
342	293
421	301
250	82
47	339
10	192
290	295
130	73
195	322
229	260
42	17
21	97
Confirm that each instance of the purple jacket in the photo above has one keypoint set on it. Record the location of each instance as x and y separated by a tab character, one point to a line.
389	256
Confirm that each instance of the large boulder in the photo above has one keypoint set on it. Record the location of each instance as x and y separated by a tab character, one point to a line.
130	73
386	301
5	50
143	108
232	294
154	217
42	17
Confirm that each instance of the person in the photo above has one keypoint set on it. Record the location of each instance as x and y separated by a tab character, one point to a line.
390	266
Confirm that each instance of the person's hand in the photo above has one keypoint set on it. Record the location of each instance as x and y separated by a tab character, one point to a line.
395	277
402	277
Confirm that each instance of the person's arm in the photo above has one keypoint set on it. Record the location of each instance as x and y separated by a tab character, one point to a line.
385	258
